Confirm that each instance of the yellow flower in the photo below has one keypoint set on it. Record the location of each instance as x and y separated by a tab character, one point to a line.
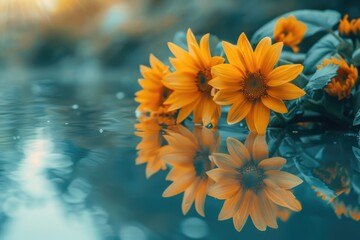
251	84
154	93
192	93
345	80
290	31
189	158
252	184
151	148
349	29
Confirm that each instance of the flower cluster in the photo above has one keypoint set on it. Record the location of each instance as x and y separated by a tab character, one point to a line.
261	81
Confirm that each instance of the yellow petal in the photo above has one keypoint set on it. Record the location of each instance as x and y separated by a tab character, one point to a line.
260	51
242	214
178	186
189	196
284	74
261	117
227	71
271	58
257	215
274	104
238	111
286	91
226	97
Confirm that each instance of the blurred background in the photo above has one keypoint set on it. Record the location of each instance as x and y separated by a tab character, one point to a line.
106	40
68	73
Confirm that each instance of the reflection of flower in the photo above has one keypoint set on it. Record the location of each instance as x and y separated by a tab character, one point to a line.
290	31
192	93
251	84
189	157
345	80
252	184
151	148
153	94
349	29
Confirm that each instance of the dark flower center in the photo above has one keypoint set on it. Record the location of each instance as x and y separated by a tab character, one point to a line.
251	177
202	79
254	86
202	163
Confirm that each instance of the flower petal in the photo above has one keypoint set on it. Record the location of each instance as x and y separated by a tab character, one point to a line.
274	163
237	150
283	179
261	117
227	71
274	104
284	74
242	214
226	161
238	111
225	97
271	58
260	51
230	207
286	91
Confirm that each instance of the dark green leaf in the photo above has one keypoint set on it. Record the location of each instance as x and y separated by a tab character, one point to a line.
356	57
315	21
326	47
321	78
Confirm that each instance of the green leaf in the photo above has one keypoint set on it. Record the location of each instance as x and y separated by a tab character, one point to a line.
357	118
315	21
326	47
356	57
321	78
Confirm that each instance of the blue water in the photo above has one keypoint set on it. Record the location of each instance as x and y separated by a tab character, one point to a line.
68	171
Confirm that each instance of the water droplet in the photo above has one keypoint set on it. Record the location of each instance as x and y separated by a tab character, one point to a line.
66	123
120	95
48	121
75	106
101	130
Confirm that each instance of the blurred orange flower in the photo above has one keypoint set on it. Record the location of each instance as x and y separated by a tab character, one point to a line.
189	157
152	146
154	93
192	93
251	84
290	31
345	80
349	29
252	184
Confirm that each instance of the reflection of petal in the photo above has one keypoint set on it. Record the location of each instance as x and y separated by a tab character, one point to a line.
225	161
275	163
230	207
190	160
281	197
242	214
237	150
283	179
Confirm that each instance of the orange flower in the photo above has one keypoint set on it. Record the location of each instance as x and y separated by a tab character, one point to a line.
290	31
151	148
345	80
190	160
252	184
192	93
349	29
154	93
251	85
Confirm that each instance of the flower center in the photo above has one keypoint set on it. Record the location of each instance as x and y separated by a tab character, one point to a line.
202	79
164	95
254	86
202	163
342	76
251	177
